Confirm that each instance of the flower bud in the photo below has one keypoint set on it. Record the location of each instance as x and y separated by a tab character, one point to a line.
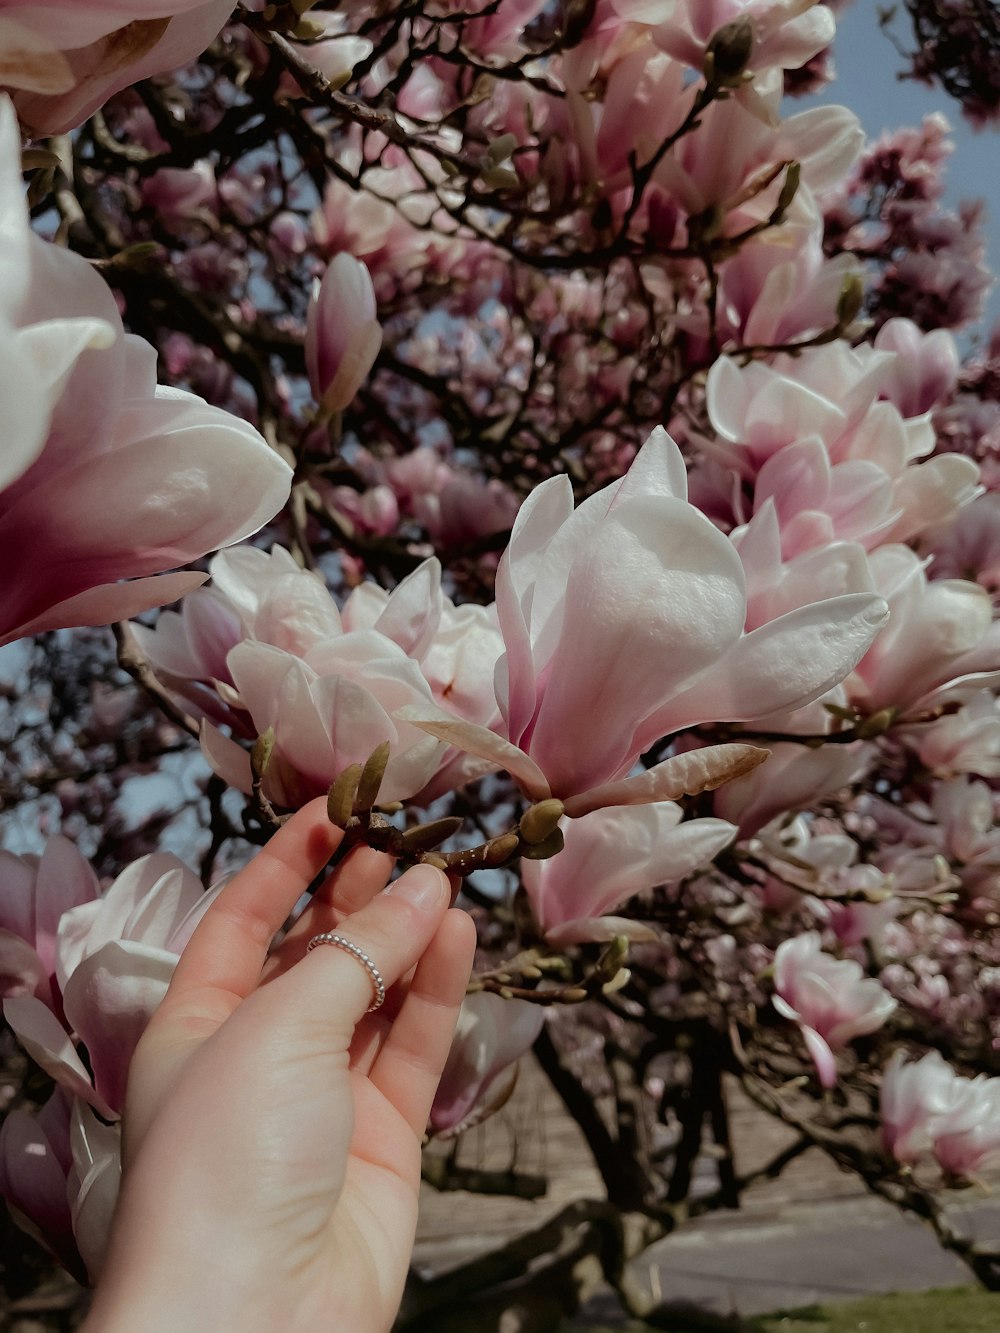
260	755
850	300
541	851
371	777
423	837
343	335
538	821
343	790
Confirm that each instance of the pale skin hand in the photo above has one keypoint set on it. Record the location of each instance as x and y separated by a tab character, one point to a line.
272	1129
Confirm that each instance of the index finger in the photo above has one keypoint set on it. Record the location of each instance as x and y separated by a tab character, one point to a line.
228	949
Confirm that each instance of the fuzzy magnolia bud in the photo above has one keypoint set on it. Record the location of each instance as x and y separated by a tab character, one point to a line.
541	851
343	791
343	335
371	777
540	820
851	299
260	755
422	837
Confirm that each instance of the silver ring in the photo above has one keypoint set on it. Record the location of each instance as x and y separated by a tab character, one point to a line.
329	937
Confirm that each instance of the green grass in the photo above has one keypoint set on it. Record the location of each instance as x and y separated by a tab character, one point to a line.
956	1310
961	1310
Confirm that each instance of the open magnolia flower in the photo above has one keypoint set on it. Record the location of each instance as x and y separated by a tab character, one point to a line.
608	857
830	998
112	477
927	1107
66	58
267	647
629	612
106	961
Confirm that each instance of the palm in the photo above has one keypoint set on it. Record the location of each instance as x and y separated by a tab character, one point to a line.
312	1113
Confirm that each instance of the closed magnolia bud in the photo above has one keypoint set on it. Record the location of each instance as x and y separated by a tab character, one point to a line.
541	851
340	799
423	837
538	821
851	299
500	850
260	755
343	335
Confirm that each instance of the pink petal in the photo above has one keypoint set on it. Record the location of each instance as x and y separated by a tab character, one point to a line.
682	775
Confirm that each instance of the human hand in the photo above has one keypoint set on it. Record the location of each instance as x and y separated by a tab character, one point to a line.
272	1127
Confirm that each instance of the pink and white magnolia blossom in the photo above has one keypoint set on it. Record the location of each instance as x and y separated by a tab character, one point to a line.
967	741
927	1107
343	335
795	777
267	646
629	611
113	957
811	436
105	477
67	57
35	891
733	161
608	857
913	1096
328	708
491	1035
830	998
967	1135
924	372
941	635
60	1172
786	33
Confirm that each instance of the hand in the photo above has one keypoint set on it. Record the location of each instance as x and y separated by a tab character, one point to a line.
272	1127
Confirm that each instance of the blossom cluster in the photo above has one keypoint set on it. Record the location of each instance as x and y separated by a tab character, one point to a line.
639	503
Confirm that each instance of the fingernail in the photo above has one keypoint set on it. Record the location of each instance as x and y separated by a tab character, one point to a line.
423	886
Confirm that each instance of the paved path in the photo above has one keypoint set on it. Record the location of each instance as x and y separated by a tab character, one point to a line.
813	1235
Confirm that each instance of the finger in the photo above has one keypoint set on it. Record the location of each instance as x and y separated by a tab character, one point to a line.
228	949
362	873
393	930
408	1068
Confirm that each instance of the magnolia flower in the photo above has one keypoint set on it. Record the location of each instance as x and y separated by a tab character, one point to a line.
831	999
940	633
795	777
608	857
107	475
836	462
328	709
65	58
35	891
491	1034
912	1098
266	646
782	34
343	334
926	1106
967	1135
964	742
113	957
925	370
629	612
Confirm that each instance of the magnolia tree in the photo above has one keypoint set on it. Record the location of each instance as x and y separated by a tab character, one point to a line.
631	534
